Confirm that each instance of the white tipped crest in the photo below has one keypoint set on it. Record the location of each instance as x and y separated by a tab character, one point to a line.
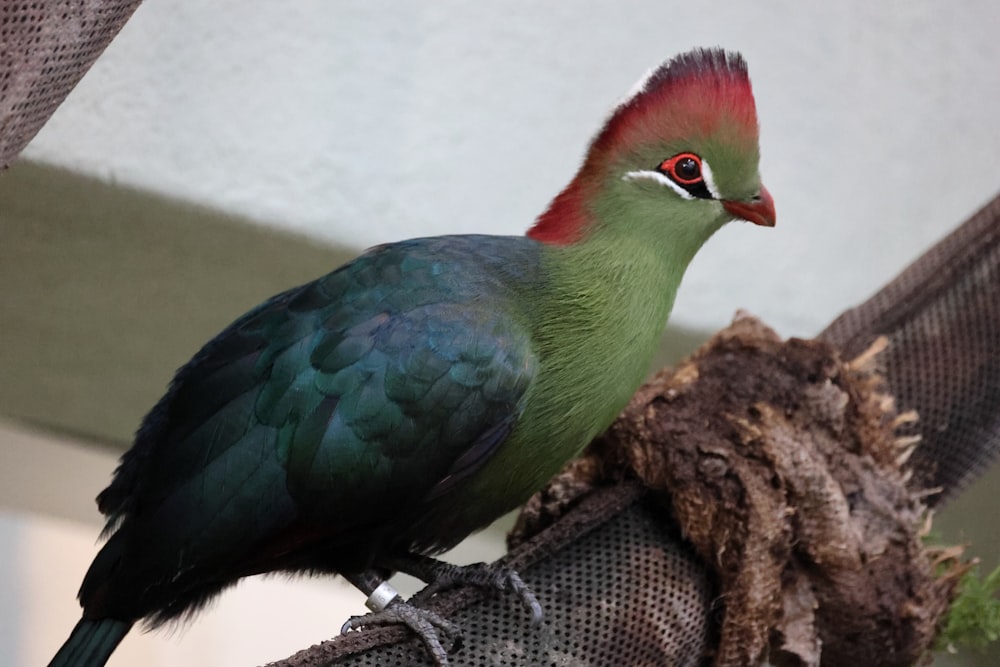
637	88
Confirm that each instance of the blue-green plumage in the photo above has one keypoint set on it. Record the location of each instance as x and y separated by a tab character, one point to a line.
410	397
91	642
330	413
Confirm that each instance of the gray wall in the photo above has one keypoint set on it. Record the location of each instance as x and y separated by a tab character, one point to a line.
368	121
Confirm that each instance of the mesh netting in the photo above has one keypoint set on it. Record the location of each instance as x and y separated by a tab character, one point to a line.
942	319
45	49
641	597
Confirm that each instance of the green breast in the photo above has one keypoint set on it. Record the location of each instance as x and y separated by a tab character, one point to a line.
596	322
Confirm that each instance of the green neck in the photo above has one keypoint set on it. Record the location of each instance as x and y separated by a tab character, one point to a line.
596	319
609	295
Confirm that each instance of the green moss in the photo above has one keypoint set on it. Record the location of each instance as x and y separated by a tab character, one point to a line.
974	618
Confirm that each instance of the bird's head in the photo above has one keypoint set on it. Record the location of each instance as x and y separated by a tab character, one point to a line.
678	157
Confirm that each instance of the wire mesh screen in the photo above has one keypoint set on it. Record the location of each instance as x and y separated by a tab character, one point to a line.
942	319
614	607
45	49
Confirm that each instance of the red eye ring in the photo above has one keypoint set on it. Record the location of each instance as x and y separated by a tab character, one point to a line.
683	169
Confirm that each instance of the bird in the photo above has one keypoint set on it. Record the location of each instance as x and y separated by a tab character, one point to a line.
364	422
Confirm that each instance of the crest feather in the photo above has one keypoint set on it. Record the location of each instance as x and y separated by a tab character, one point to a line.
716	65
692	91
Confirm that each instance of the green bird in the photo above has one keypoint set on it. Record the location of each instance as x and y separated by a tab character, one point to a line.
374	417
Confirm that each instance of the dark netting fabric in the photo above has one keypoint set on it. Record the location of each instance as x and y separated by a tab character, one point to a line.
942	319
638	597
45	49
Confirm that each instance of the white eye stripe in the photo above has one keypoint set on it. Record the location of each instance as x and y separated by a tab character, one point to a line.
706	174
659	178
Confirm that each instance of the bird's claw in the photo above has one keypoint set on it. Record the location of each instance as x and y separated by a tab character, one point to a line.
426	624
486	575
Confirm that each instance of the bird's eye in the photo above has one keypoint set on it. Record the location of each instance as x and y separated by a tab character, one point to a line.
685	169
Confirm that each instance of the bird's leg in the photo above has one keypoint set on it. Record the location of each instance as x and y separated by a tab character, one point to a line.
439	575
388	608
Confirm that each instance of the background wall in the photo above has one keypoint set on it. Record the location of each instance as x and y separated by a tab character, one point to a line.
354	123
366	121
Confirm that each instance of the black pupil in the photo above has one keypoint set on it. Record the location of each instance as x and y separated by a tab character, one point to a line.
687	169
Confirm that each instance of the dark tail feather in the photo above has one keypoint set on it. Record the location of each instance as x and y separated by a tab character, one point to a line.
91	643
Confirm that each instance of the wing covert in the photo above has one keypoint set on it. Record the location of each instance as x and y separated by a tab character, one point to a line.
399	373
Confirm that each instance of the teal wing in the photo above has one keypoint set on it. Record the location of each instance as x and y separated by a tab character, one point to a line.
407	405
338	404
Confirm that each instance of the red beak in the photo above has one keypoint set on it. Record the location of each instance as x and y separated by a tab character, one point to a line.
759	210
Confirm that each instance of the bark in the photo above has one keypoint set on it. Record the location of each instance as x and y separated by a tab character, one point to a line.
780	462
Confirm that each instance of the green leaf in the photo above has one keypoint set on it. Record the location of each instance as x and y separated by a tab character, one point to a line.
974	618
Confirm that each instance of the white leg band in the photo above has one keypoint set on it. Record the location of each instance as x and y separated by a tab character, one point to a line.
381	597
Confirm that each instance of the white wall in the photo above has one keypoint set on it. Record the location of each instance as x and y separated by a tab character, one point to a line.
368	121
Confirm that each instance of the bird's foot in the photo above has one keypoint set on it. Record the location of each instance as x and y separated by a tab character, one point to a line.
426	624
441	576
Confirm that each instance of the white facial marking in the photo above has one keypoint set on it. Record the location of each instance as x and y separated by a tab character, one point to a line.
659	178
706	173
